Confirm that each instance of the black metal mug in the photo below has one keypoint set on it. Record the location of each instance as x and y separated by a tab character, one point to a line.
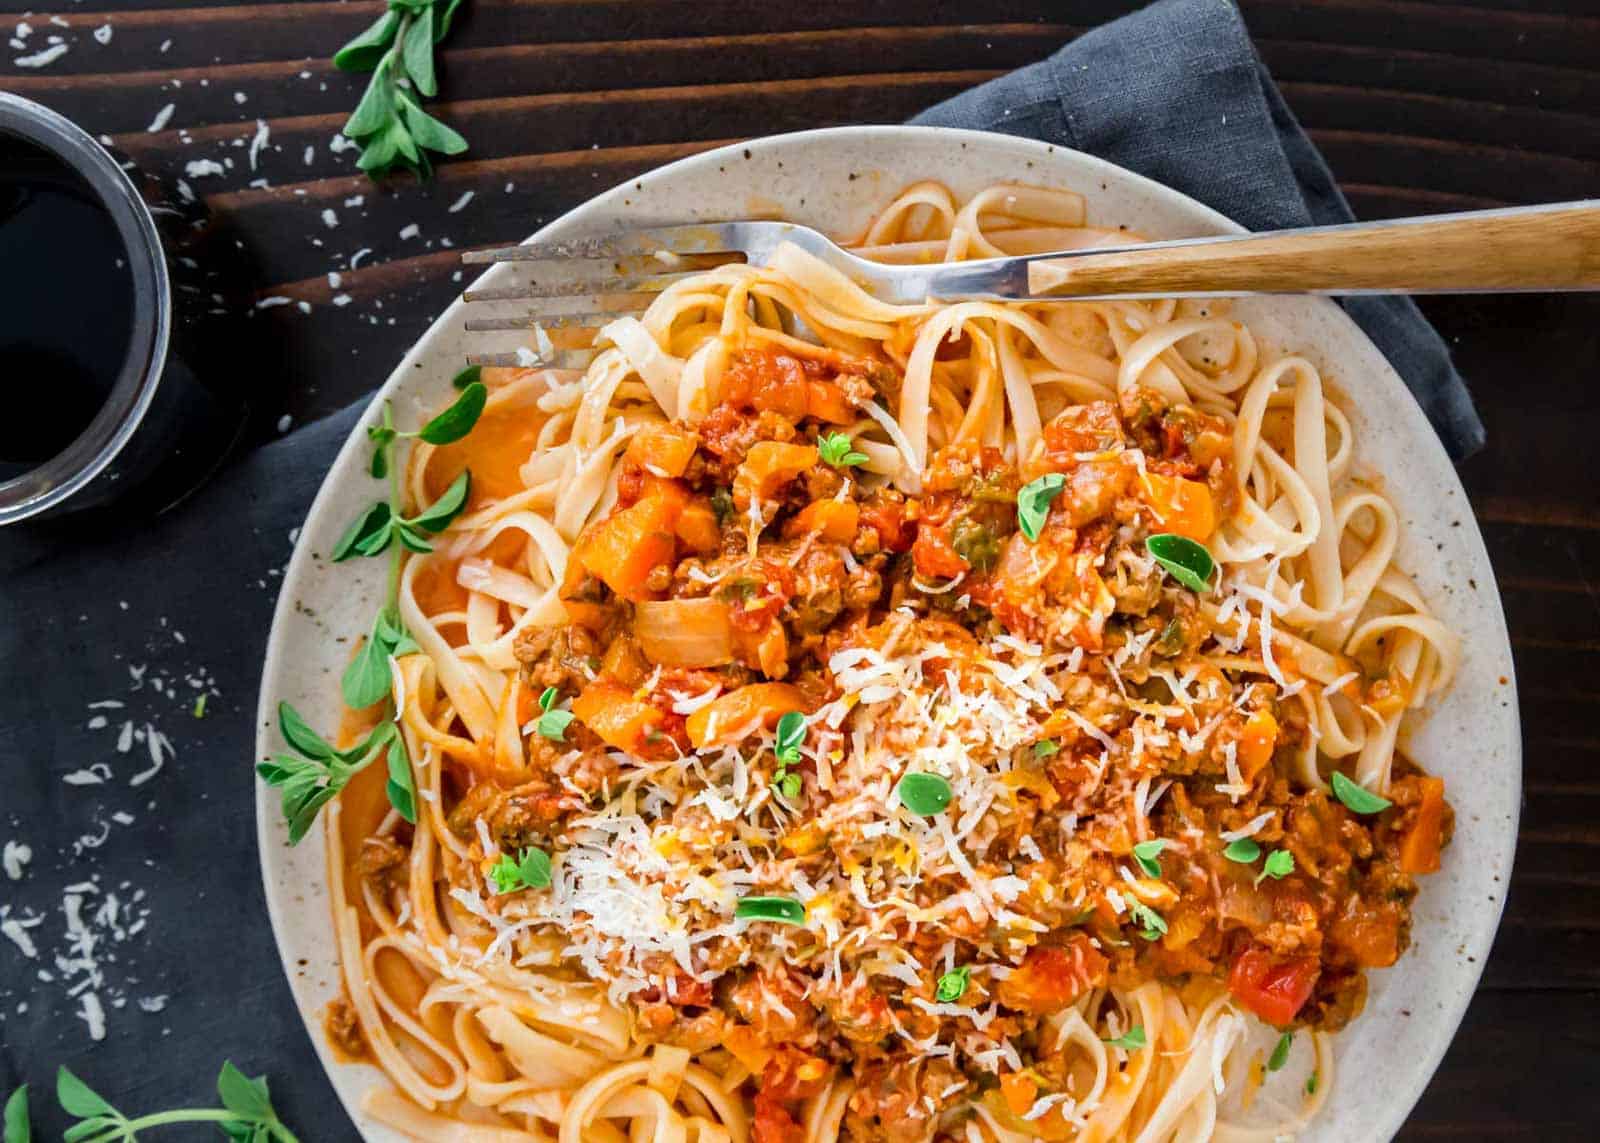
165	425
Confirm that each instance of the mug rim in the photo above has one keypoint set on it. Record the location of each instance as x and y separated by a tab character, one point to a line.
87	456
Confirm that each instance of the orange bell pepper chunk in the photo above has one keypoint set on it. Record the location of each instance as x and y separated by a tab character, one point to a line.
1019	1092
663	450
767	468
620	720
1419	849
825	401
746	1045
1181	506
697	527
693	520
625	547
738	713
1256	743
832	520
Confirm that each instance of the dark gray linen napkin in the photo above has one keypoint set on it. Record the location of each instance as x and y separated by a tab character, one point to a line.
169	928
1176	92
143	890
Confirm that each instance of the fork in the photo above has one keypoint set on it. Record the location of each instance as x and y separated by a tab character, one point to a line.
580	284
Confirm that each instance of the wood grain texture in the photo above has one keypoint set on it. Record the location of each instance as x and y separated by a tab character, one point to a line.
1421	106
1520	248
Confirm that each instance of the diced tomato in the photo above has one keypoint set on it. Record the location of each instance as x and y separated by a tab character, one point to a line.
1052	977
1079	429
934	557
767	381
1274	990
770	381
888	519
793	1074
773	1123
789	1075
687	992
758	594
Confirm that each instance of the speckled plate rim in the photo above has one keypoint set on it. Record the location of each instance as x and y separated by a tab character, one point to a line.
834	177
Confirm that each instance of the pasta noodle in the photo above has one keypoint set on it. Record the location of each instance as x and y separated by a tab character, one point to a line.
828	724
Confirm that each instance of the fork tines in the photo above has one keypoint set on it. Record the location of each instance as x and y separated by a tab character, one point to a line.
529	359
582	284
586	322
694	238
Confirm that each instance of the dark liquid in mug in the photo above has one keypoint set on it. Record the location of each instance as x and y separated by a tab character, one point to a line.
66	306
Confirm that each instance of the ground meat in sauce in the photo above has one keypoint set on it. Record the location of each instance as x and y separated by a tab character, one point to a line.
949	569
560	657
379	855
343	1029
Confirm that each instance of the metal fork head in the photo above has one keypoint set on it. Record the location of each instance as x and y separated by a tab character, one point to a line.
580	284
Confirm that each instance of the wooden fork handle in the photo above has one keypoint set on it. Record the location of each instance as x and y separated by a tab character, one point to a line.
1526	248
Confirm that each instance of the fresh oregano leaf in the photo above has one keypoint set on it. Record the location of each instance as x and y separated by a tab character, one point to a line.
298	734
1033	502
417	52
364	52
436	517
367	535
78	1098
401	786
457	421
1184	560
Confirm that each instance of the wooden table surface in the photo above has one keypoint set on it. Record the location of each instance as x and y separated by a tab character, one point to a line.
1419	106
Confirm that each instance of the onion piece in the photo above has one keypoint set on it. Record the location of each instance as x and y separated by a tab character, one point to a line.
684	632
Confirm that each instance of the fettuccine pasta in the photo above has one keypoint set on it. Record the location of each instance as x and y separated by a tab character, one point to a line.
834	719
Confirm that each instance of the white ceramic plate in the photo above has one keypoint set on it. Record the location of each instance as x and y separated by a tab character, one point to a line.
835	179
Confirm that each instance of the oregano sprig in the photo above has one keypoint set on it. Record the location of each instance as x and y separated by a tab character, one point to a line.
529	869
246	1114
389	123
379	526
315	772
791	737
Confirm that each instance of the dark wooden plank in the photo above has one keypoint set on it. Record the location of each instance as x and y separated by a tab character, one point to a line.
1466	32
277	89
1479	1094
1479	122
241	33
1377	153
1399	66
515	125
